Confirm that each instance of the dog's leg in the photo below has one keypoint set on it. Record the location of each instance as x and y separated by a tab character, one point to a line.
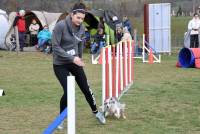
122	113
106	114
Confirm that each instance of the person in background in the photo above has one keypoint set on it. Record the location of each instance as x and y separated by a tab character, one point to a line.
126	34
194	27
119	33
34	29
99	41
21	25
127	23
101	23
67	46
44	38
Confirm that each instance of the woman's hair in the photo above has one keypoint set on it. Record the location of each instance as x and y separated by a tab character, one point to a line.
195	14
79	8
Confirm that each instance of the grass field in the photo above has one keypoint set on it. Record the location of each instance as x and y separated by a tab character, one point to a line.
163	99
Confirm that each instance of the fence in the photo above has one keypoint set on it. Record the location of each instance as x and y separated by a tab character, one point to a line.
117	69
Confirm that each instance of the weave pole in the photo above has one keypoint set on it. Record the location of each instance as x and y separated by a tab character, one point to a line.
117	69
71	105
69	112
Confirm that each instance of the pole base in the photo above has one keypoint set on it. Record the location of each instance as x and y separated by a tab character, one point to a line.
2	93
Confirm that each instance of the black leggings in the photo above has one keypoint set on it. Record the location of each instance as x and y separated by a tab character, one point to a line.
194	41
62	71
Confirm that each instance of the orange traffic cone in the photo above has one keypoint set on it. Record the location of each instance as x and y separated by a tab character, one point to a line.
178	64
100	57
150	56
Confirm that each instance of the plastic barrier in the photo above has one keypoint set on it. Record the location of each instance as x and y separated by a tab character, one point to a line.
189	57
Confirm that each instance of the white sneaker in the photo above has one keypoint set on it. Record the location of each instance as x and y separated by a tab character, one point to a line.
100	117
61	126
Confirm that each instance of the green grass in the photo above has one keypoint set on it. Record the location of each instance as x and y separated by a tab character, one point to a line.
163	99
179	25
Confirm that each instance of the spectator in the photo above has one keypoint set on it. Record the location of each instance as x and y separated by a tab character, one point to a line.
44	38
101	23
126	34
194	26
116	22
21	25
127	23
34	29
118	28
119	34
99	41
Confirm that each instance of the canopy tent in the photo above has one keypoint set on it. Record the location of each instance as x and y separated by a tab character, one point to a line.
42	18
3	28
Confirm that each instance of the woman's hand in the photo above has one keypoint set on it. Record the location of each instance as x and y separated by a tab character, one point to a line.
78	61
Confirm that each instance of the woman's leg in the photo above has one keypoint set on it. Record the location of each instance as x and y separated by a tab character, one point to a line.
81	80
196	44
192	38
41	42
34	40
61	73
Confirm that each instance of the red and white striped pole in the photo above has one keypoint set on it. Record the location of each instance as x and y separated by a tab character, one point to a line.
117	69
113	72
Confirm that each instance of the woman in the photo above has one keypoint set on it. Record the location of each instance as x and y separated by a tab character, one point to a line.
99	41
44	38
67	45
194	26
34	29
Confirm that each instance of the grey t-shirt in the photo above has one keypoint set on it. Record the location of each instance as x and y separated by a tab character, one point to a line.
67	42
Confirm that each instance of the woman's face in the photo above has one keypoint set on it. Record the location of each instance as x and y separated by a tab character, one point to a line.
196	17
100	31
77	18
119	30
34	21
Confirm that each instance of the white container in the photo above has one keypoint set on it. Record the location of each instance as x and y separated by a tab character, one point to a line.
160	27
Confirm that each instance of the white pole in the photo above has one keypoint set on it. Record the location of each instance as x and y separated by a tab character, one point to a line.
71	105
2	93
117	70
126	67
110	70
103	77
143	48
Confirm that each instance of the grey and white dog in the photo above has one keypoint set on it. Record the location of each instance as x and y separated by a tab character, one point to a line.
112	107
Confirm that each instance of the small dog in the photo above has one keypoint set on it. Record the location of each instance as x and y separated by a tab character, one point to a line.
112	107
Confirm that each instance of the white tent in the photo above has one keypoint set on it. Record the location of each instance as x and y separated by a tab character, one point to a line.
3	28
43	18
